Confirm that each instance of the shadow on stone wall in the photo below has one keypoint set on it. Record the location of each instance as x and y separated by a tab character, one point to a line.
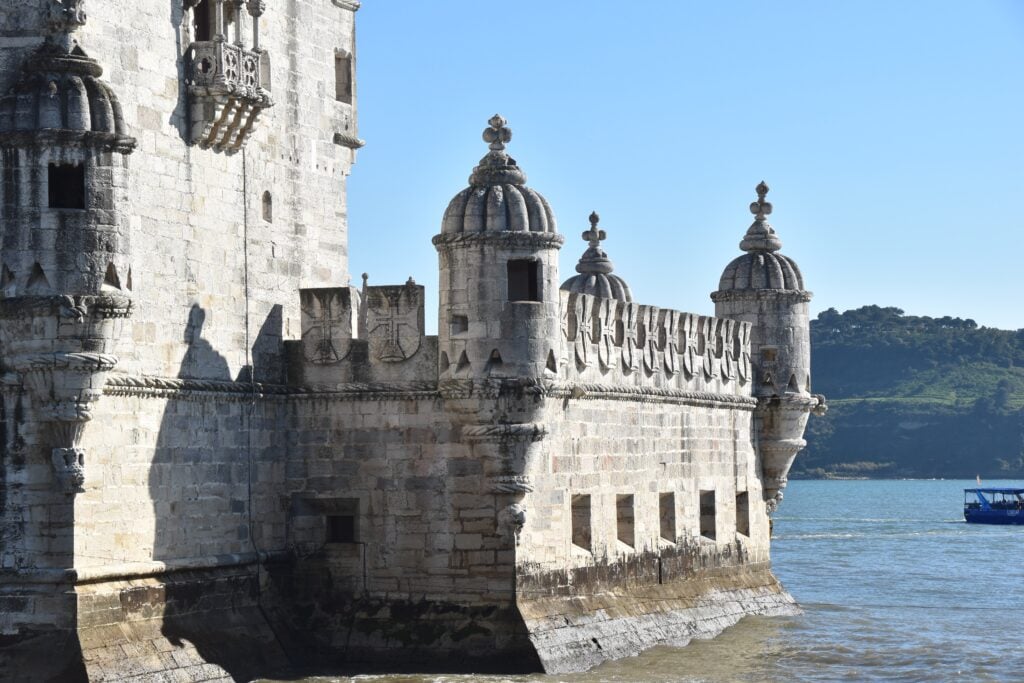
198	486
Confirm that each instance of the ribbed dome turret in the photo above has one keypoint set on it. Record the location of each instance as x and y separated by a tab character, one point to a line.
761	267
497	198
595	269
61	91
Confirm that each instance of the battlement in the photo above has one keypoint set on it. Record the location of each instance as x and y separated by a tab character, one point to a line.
620	342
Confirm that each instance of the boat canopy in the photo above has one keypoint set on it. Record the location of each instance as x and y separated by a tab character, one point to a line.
995	490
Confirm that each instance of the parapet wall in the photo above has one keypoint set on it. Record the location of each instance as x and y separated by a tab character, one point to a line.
612	342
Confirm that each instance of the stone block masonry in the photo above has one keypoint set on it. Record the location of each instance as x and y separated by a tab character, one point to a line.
220	459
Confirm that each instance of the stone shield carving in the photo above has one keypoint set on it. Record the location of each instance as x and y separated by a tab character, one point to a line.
712	352
394	321
606	333
629	315
727	334
581	329
649	338
327	322
670	329
689	333
743	352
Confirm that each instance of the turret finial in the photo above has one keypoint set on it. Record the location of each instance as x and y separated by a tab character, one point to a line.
760	235
595	235
497	167
761	208
498	133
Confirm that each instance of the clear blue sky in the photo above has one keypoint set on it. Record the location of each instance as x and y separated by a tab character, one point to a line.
891	134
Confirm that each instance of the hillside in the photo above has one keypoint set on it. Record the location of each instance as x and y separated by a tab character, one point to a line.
914	396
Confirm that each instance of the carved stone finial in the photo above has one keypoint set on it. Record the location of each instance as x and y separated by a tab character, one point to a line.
366	279
498	133
595	235
760	235
761	208
497	167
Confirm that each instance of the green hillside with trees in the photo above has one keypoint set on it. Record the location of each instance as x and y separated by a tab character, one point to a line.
913	396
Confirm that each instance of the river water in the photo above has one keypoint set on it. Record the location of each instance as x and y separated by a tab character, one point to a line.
894	587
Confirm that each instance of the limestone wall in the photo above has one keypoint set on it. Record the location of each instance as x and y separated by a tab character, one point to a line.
197	221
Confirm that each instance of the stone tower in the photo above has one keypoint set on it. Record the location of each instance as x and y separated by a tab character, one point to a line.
765	288
65	274
498	248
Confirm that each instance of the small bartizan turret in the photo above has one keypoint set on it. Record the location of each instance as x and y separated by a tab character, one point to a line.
765	288
498	248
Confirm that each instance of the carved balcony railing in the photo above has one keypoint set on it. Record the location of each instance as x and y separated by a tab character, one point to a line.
226	91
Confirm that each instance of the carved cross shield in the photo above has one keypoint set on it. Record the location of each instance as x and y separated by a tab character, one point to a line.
606	330
690	329
649	321
670	328
629	315
327	318
394	321
743	352
582	331
712	347
727	331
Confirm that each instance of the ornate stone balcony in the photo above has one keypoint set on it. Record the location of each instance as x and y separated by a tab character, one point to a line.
226	93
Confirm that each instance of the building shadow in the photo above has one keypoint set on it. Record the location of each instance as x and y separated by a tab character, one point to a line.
203	468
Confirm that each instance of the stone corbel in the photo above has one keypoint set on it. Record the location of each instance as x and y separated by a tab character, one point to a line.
69	468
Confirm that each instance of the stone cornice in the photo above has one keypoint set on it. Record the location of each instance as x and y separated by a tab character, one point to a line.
792	295
613	392
352	5
115	142
146	386
533	240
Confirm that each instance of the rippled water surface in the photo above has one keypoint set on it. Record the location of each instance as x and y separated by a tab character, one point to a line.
894	586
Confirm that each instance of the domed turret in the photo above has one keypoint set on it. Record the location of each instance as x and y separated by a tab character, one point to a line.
61	91
766	289
497	198
498	251
595	269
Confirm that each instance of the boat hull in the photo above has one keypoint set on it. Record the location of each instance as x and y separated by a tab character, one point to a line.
994	517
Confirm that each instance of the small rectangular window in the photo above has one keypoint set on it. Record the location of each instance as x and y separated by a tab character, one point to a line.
707	514
341	529
342	521
624	519
66	186
523	280
343	77
667	513
581	535
768	354
743	513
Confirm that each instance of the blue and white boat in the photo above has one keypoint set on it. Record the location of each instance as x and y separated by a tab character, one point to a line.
994	506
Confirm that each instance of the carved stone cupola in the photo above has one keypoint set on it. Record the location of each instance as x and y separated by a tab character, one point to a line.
228	81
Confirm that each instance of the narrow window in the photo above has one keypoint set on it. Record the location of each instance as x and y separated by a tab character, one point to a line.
743	513
342	521
202	24
268	207
66	186
343	77
581	537
707	514
667	513
768	354
624	519
523	280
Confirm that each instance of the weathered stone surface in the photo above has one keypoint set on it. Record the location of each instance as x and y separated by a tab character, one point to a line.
219	459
